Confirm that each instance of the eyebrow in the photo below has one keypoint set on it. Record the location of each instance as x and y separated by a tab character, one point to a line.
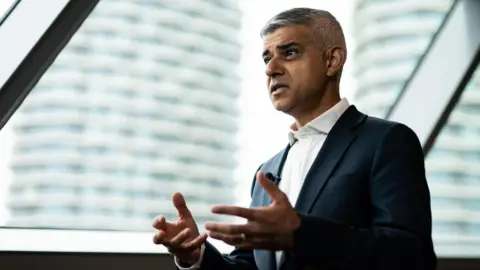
282	46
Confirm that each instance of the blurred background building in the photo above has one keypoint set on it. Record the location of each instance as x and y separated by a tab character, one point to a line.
391	38
141	103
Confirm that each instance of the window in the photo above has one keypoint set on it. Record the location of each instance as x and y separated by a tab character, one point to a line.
93	134
140	104
453	171
440	104
384	29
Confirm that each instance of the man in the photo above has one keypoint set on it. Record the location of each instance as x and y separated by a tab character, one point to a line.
351	191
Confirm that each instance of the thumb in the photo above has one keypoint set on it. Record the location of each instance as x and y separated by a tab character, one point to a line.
181	205
275	193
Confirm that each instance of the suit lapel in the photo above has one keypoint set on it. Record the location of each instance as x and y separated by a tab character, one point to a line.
266	259
339	139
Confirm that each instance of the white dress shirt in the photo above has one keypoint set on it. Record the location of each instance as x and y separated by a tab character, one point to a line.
306	143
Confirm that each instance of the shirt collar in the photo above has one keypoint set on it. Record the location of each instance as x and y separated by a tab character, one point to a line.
320	125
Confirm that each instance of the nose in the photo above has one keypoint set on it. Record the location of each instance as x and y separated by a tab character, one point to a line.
274	68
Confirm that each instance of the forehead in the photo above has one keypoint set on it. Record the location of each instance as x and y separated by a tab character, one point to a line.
298	33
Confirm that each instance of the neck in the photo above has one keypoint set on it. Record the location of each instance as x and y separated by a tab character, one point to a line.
330	99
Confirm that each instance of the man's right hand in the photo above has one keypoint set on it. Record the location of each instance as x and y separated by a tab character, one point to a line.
181	238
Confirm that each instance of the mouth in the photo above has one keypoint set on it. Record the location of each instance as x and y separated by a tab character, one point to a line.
277	87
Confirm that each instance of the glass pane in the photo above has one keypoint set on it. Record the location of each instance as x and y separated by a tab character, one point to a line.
453	171
146	100
140	104
391	37
5	6
143	102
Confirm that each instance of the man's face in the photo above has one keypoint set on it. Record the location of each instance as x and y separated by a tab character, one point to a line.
295	69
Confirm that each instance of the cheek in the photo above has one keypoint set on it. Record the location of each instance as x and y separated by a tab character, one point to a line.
302	76
304	71
307	81
311	75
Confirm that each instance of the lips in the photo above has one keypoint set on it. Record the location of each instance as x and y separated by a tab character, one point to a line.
276	86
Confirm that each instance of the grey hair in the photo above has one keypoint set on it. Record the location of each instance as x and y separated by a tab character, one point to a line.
325	28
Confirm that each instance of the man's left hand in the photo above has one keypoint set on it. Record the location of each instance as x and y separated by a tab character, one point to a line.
269	227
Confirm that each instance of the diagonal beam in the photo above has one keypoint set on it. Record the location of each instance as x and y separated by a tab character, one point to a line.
31	37
442	74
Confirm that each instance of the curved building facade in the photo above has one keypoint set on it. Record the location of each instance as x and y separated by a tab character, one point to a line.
391	37
141	103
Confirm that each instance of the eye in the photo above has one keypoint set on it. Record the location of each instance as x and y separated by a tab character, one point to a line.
291	52
266	60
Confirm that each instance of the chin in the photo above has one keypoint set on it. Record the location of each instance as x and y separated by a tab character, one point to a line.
282	107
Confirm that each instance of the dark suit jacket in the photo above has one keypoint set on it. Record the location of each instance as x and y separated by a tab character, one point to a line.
365	204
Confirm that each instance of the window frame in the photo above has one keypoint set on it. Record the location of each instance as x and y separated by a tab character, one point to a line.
31	64
455	70
36	45
8	11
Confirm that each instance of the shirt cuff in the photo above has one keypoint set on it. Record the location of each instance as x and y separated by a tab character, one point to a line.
196	265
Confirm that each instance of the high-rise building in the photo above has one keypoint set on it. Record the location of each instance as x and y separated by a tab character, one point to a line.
141	103
391	37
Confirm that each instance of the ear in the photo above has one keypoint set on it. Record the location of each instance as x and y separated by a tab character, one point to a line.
335	58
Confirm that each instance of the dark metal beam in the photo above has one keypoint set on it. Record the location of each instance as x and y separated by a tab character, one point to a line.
9	11
42	55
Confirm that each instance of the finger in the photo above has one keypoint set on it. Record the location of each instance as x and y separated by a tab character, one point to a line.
195	243
160	238
159	223
181	223
180	238
275	193
189	246
237	229
230	239
248	213
181	205
256	242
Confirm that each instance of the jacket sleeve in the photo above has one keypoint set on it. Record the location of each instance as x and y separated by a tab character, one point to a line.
400	234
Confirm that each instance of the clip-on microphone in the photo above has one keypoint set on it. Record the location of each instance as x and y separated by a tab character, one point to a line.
274	179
